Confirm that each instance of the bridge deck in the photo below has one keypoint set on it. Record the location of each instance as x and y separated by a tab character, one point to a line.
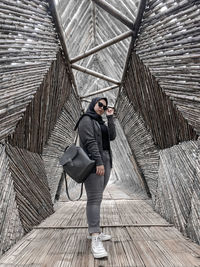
140	237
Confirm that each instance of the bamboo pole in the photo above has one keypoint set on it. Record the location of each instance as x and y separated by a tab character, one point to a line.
114	12
102	46
95	74
139	16
101	91
85	100
93	21
109	225
136	26
54	12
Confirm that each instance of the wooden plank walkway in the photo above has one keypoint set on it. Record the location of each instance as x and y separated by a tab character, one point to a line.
140	238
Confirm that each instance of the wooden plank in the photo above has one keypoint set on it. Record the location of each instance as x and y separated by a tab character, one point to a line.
129	246
70	247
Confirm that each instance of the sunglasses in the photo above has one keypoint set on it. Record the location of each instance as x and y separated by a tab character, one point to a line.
102	106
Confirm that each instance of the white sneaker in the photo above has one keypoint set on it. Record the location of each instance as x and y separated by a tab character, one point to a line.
97	248
102	236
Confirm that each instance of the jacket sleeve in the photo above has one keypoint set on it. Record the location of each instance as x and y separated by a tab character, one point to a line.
87	137
111	127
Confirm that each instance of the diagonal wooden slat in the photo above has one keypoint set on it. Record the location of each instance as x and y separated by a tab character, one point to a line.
102	46
95	74
114	12
100	91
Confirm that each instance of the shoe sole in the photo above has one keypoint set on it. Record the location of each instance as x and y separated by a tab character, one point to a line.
97	256
107	239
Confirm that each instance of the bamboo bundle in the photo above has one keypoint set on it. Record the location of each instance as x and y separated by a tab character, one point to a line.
194	218
176	183
161	90
28	40
169	46
32	65
10	224
62	136
145	152
126	173
167	124
31	187
39	119
172	174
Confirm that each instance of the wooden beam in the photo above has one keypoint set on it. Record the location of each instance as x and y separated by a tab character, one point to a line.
104	45
139	16
101	91
59	29
95	74
136	27
85	100
94	22
114	12
108	225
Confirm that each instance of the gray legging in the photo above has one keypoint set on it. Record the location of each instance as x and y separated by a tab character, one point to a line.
94	186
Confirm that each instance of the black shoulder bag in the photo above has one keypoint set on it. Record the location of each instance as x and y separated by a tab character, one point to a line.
77	165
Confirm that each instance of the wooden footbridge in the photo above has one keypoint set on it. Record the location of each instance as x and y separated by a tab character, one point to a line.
144	56
140	237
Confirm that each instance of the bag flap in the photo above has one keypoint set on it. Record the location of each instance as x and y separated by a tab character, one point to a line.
69	154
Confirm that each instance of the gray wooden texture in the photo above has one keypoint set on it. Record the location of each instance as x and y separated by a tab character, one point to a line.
125	171
144	150
140	238
61	136
166	122
169	47
86	25
172	174
177	197
194	218
28	47
158	107
10	224
36	95
30	184
41	115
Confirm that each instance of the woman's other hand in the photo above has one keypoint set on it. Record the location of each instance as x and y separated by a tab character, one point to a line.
109	111
100	170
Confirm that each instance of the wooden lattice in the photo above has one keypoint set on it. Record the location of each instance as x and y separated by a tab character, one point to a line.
31	187
176	179
39	119
169	46
167	124
28	46
35	87
62	136
10	224
144	150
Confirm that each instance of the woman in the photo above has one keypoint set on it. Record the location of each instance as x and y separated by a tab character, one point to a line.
95	139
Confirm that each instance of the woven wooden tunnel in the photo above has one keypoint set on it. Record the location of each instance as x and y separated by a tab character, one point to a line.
150	51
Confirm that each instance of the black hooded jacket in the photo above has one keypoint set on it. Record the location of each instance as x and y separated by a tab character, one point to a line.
90	134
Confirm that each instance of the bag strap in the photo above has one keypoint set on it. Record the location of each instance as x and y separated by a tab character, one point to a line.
67	191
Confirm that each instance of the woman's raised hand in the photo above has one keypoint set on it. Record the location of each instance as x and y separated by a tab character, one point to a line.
100	170
109	111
